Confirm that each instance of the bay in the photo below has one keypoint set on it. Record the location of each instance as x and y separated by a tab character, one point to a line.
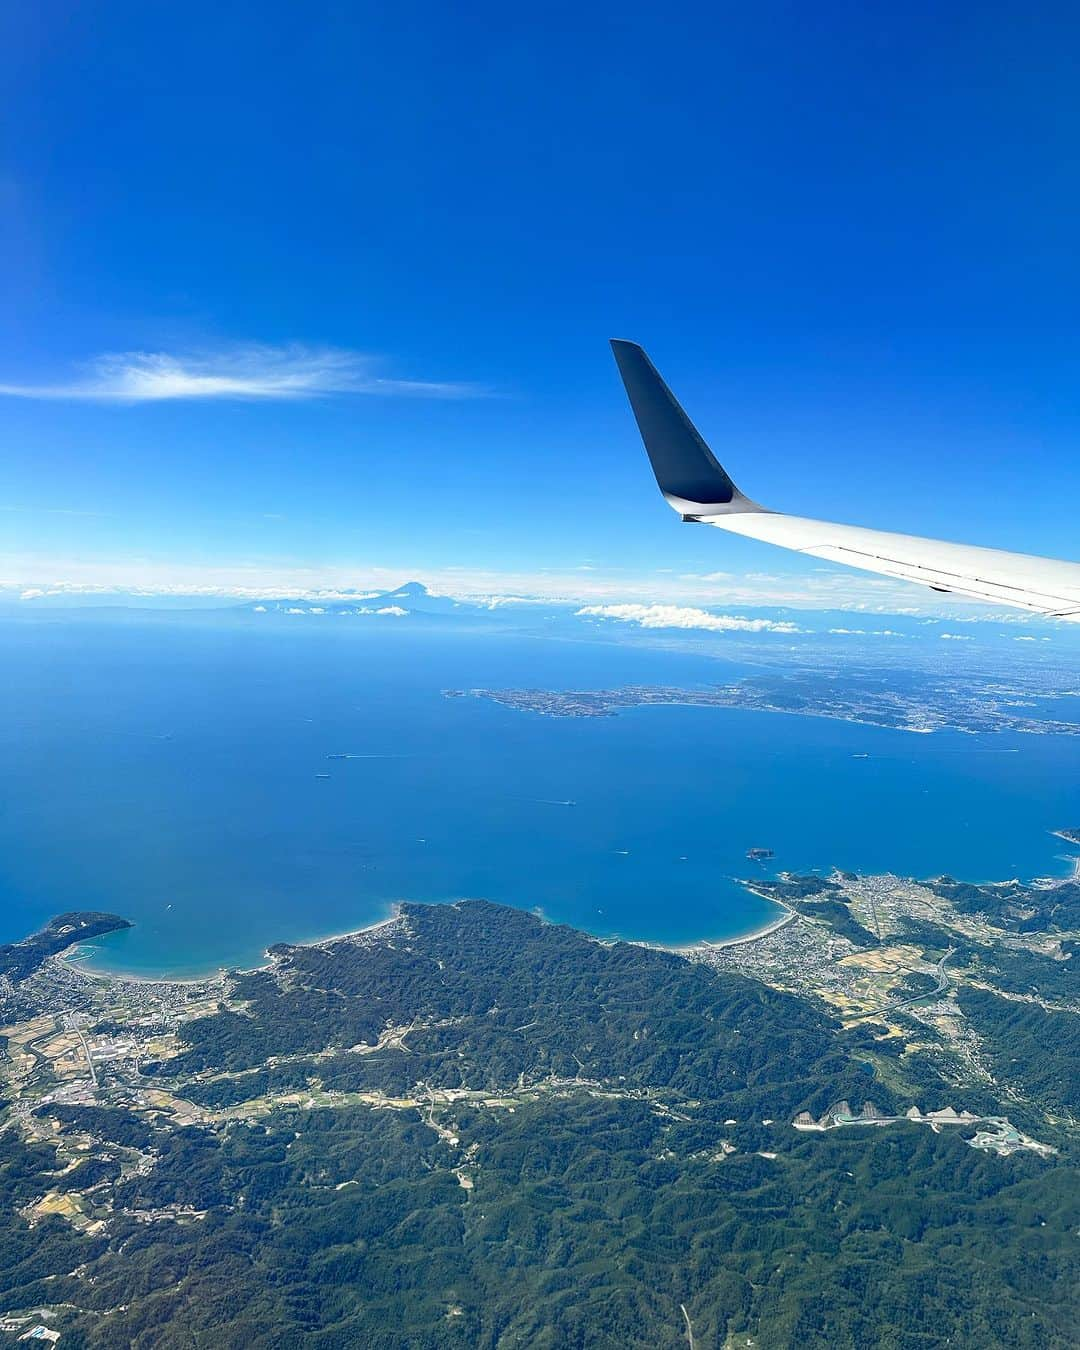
171	770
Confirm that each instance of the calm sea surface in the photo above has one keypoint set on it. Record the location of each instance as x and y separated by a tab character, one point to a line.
167	771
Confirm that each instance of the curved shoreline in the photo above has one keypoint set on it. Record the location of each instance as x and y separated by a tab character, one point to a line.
85	965
706	945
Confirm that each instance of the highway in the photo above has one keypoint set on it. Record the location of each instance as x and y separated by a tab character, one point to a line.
942	985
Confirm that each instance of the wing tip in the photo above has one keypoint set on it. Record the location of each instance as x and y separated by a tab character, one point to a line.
687	472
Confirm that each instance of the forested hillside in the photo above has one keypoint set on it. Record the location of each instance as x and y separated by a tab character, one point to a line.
474	1129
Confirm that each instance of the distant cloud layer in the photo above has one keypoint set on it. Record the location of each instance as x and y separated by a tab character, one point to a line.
649	599
252	372
682	616
864	632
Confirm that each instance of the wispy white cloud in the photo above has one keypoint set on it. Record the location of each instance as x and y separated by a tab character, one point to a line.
501	601
254	372
864	632
683	616
393	611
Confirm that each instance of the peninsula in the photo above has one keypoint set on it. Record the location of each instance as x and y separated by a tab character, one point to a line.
18	960
928	704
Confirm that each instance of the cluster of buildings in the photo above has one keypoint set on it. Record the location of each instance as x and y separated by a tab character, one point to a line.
997	1135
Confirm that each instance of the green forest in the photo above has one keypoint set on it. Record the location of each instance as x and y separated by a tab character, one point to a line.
656	1170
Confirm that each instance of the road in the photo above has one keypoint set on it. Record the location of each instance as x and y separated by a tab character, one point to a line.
942	985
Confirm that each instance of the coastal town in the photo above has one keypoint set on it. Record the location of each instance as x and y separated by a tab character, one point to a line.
882	951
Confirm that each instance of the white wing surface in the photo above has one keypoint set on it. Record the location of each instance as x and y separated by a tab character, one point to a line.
694	483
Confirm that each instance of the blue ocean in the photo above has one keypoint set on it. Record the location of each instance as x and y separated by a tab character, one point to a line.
183	772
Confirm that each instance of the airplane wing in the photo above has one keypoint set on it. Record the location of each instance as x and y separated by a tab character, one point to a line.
695	484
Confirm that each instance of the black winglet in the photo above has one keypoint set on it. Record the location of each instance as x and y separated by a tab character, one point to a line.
687	471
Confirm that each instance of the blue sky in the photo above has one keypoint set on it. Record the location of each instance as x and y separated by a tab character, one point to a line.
374	258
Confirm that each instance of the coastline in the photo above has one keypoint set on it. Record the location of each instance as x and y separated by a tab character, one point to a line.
718	944
79	956
350	933
83	964
1067	837
784	919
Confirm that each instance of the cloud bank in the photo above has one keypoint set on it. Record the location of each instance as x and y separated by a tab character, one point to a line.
683	616
253	372
864	632
655	593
